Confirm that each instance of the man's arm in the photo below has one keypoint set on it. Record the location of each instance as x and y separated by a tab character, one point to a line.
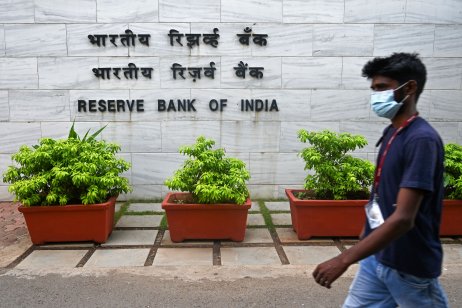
400	222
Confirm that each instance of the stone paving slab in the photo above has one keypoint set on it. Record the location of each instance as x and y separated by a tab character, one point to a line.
184	256
255	220
40	259
134	221
281	219
143	207
131	237
301	255
249	256
257	236
255	207
278	206
118	258
166	240
253	236
288	235
452	254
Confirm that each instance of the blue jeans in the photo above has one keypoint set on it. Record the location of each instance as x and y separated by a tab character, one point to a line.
377	285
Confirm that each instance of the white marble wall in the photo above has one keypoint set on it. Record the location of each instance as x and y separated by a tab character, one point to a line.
35	40
51	11
2	40
312	67
4	106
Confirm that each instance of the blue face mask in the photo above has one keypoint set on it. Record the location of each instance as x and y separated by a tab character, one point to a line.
383	103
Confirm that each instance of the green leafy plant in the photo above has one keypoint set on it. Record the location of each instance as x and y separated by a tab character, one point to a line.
210	176
67	171
337	175
453	171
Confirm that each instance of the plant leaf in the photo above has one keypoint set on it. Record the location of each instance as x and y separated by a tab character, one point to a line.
92	137
73	133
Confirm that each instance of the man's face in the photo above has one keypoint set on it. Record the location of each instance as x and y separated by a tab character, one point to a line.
382	83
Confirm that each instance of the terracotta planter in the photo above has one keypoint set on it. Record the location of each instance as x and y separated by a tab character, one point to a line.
451	218
70	223
204	221
326	217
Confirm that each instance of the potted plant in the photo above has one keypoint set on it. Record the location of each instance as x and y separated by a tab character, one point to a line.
215	199
451	219
332	203
68	187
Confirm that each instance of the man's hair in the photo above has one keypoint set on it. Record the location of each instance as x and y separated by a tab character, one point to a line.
401	67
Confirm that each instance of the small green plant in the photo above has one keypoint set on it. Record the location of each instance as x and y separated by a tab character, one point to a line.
67	171
337	175
453	171
210	176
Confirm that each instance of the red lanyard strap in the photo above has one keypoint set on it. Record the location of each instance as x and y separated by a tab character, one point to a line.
378	171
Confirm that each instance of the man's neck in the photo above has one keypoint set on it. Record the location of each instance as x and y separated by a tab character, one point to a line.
402	117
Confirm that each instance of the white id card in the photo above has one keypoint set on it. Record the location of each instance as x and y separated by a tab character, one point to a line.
373	213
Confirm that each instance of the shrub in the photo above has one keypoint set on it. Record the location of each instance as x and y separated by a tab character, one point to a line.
209	176
67	171
453	171
337	175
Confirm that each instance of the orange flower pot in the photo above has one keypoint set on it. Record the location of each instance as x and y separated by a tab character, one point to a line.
451	218
189	221
326	217
70	223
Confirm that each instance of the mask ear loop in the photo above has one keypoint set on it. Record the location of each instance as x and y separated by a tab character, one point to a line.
405	98
401	86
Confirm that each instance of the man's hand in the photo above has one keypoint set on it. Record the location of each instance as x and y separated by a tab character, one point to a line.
326	273
397	224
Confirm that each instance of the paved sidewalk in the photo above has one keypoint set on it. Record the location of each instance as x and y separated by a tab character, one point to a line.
140	239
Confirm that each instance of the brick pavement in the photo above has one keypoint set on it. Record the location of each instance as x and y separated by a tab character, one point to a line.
14	237
12	224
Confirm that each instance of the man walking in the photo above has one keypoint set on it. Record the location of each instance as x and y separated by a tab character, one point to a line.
400	250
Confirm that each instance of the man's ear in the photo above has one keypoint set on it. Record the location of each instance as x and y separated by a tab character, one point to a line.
411	87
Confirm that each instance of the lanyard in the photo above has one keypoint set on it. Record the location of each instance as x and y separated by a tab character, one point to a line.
378	171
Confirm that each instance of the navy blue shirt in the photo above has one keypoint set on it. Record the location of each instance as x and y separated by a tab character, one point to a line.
414	160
